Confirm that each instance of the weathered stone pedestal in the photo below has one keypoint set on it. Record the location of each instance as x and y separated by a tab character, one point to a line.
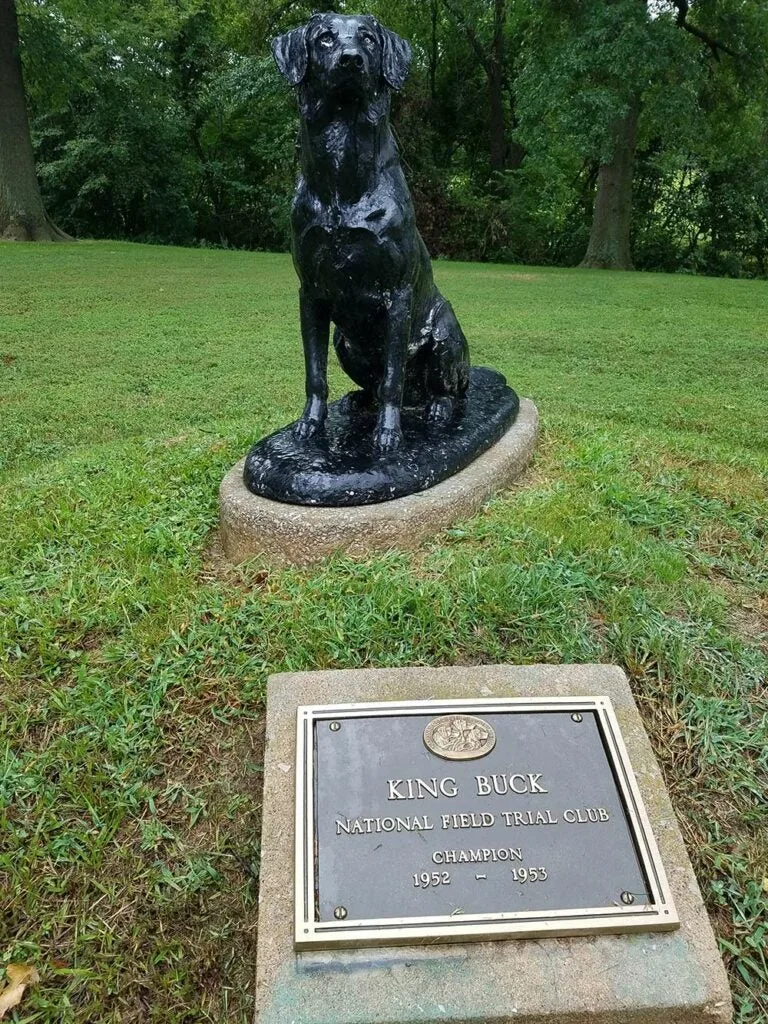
286	534
672	977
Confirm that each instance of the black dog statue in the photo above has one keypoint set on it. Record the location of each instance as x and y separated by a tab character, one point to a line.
363	265
359	257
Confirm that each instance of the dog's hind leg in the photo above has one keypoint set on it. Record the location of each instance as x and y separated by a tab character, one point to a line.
357	402
359	370
448	363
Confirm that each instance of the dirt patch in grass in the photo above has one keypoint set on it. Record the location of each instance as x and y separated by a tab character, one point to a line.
750	621
718	480
515	275
718	539
747	611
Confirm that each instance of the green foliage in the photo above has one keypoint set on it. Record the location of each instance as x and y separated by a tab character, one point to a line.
167	121
247	136
133	665
162	132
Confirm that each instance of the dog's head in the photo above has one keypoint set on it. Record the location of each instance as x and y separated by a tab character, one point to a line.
348	56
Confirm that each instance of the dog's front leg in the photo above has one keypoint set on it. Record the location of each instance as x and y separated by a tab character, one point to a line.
398	331
315	326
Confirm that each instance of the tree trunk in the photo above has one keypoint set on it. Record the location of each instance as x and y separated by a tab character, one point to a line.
493	65
516	152
433	56
22	215
608	247
498	148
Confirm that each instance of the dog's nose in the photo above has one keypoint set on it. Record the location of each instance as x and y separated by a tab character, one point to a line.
351	59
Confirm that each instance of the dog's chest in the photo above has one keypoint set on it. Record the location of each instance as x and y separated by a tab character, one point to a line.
343	249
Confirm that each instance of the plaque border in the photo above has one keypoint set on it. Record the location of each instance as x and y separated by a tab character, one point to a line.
659	915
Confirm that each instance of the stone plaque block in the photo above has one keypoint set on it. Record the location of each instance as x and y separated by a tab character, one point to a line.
445	820
657	977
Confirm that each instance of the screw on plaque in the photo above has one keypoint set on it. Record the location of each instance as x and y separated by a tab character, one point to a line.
577	717
340	913
334	726
628	898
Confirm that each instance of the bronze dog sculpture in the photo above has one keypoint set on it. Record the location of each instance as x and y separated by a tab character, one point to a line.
360	259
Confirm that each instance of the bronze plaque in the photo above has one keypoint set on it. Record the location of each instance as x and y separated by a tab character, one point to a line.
431	821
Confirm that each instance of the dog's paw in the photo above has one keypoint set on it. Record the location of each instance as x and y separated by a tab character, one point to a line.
388	439
307	428
312	419
440	410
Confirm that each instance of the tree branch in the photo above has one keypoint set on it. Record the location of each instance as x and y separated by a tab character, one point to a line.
715	45
470	33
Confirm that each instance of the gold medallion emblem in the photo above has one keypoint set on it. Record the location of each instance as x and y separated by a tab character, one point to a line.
459	737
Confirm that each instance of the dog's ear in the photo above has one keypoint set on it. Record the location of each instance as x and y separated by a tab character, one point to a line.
395	59
291	54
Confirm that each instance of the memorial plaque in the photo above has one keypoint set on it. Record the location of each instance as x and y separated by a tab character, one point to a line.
441	821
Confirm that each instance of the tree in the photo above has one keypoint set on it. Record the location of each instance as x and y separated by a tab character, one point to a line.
494	60
675	64
630	73
582	92
609	238
22	214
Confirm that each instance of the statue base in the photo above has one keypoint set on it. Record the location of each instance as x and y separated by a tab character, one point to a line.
287	534
341	467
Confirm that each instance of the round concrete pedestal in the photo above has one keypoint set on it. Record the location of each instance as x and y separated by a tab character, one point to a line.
300	534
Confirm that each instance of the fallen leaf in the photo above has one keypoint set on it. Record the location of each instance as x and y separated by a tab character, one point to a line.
20	976
765	884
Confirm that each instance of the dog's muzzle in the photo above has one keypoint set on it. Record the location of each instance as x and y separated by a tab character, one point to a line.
350	71
350	60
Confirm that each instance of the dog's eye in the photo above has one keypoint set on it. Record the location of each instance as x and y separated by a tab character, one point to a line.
326	39
367	38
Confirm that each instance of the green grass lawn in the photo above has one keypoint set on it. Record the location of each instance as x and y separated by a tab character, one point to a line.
133	666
